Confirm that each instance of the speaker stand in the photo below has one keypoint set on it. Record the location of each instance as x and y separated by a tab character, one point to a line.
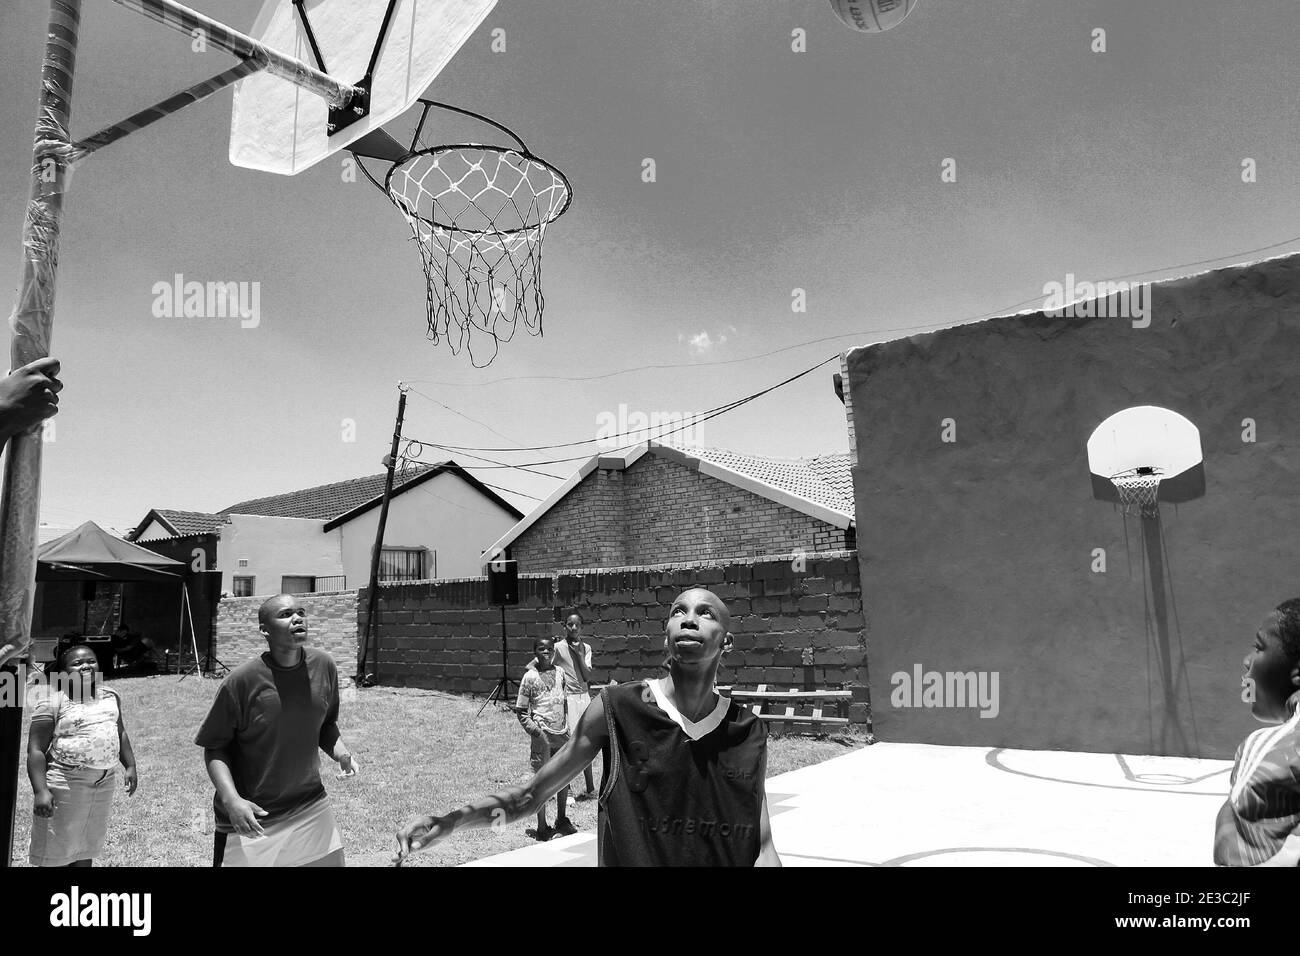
502	695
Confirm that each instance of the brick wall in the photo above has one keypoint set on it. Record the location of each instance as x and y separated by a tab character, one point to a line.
585	529
676	514
658	511
331	625
848	406
444	635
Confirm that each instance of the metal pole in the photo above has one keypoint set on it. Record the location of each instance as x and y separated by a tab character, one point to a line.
373	602
32	323
168	107
184	20
505	660
501	692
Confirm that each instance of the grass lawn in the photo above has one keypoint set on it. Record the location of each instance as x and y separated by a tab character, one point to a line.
420	751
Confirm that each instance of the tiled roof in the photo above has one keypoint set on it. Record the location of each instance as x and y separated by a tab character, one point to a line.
191	522
326	502
821	486
825	480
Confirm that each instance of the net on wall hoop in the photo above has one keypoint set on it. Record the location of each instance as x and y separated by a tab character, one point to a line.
478	214
1139	491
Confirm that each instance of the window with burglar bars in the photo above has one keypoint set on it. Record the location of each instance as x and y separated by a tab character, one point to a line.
402	564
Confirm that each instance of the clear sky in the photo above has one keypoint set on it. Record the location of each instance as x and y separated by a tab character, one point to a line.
818	170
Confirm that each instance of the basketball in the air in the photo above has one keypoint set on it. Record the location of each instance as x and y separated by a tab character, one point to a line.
872	16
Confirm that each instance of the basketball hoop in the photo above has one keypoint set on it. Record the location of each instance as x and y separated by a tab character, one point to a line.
1139	490
478	214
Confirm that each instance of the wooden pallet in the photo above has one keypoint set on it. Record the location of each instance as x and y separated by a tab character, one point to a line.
796	711
788	711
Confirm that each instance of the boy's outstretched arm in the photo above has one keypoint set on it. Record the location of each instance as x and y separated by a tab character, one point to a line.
767	855
518	802
766	851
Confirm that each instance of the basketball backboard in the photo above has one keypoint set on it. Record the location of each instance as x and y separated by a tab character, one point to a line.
1145	436
279	128
1144	455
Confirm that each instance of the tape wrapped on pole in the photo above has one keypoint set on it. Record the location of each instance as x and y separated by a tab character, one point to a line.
32	324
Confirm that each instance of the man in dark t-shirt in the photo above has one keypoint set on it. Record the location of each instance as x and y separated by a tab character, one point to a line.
260	740
684	767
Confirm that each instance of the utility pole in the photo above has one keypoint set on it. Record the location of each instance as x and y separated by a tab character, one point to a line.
372	625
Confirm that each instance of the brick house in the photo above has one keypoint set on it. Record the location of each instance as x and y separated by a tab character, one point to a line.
659	504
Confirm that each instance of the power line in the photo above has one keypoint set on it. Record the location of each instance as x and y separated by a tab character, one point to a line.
408	454
428	398
526	466
677	366
703	417
476	510
1032	300
485	425
689	420
511	491
493	462
694	419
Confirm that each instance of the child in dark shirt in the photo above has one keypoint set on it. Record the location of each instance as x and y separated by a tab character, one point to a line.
260	740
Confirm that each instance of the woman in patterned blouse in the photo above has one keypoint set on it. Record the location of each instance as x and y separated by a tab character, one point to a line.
76	741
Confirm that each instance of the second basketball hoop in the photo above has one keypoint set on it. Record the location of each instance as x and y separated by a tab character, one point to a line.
1139	490
1143	455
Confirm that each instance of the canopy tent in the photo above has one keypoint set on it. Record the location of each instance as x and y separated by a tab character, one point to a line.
92	554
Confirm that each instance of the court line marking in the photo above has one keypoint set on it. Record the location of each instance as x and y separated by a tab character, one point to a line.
829	859
993	760
1137	778
1091	860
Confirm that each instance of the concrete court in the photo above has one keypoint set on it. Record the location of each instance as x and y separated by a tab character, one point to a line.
927	805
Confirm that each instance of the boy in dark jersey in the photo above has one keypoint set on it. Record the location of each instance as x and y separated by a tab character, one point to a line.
1259	825
684	767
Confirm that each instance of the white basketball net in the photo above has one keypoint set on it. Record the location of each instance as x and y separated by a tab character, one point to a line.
1139	491
478	214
